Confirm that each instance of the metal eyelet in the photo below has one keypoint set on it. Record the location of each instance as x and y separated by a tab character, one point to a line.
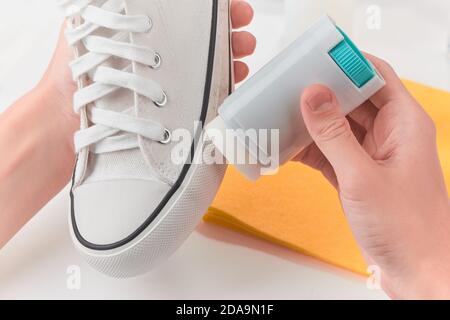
163	102
167	137
158	61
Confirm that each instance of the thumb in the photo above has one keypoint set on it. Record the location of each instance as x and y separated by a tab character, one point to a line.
331	130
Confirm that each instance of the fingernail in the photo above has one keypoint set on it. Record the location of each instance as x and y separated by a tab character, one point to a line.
320	102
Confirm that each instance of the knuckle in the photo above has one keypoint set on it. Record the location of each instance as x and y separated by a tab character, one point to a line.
430	126
427	121
426	124
334	129
384	64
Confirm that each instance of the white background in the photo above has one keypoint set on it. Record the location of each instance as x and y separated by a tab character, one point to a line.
214	263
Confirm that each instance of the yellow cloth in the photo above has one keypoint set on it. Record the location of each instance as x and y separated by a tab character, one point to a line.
298	209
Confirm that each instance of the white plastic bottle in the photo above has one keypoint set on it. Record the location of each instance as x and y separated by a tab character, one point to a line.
268	103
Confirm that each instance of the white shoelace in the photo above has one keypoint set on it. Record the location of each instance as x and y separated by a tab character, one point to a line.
110	130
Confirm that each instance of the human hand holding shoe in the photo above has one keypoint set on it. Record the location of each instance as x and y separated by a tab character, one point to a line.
36	133
58	87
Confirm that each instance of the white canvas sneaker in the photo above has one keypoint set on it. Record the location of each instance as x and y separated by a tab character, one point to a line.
145	68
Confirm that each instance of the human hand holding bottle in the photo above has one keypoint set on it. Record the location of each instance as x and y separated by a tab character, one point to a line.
383	161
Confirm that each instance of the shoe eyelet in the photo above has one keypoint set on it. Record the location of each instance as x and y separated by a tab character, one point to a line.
158	61
162	103
167	137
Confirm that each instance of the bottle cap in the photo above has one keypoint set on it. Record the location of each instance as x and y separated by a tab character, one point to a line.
352	61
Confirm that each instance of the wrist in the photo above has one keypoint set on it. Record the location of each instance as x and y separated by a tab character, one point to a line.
57	108
428	274
427	282
433	283
436	269
37	156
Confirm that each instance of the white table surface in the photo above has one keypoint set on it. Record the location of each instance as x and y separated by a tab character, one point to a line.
214	263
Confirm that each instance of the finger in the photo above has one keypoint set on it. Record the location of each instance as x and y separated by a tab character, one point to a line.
365	115
244	44
358	130
331	131
329	174
241	14
364	136
314	158
241	71
394	90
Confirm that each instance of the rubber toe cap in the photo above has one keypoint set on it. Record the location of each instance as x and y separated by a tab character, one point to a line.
108	212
